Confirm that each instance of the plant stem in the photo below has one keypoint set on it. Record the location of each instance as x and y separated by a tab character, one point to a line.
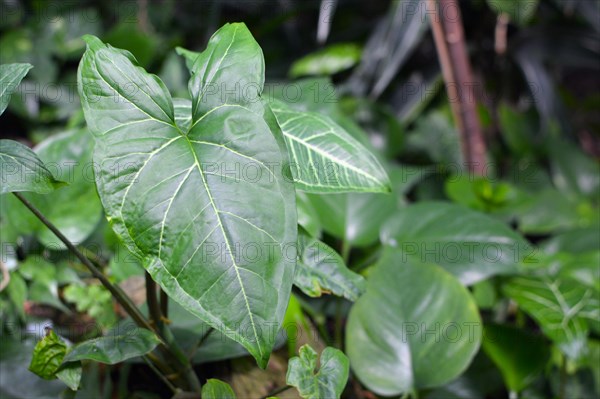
277	391
562	393
449	37
160	375
173	353
152	301
115	290
164	304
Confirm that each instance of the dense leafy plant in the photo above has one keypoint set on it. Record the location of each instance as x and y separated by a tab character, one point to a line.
333	236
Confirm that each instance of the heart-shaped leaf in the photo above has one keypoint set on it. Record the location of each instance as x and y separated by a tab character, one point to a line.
328	382
10	77
206	209
320	269
470	245
22	170
415	327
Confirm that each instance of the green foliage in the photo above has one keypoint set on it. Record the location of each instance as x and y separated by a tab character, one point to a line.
94	300
321	270
10	77
328	382
414	315
328	61
216	389
48	355
121	343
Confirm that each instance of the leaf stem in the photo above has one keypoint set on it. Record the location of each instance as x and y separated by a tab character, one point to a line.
152	301
179	360
115	290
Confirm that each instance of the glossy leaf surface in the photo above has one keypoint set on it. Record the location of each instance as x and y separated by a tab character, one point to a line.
468	244
48	355
201	207
415	327
216	389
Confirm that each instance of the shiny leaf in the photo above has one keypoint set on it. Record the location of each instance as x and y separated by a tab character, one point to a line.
328	61
468	244
201	208
415	327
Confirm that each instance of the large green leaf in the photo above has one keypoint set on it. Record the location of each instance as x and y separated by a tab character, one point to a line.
324	157
328	382
10	77
69	155
201	208
216	389
320	269
22	170
48	355
468	244
519	355
123	342
415	327
562	307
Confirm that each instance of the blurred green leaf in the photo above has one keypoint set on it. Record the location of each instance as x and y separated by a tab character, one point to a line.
123	342
327	61
10	77
519	355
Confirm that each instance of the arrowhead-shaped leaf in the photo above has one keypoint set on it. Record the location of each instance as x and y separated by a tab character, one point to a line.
22	170
10	77
562	307
122	343
328	382
320	269
415	327
207	208
324	157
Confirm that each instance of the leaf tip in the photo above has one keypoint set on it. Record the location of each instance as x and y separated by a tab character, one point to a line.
93	42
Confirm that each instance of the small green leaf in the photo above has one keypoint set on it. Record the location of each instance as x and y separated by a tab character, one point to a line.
325	158
561	306
328	61
217	389
48	355
70	374
320	269
519	355
10	77
124	342
22	170
328	382
519	11
415	327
